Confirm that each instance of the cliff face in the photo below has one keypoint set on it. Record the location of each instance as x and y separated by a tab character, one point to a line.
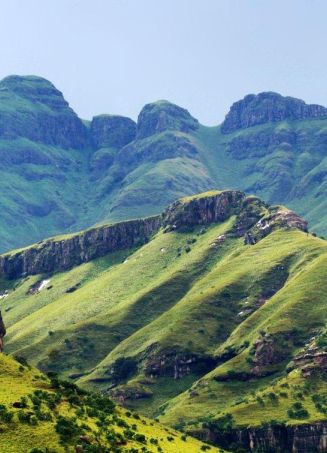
303	438
253	221
112	131
31	107
284	439
264	107
162	116
203	210
57	255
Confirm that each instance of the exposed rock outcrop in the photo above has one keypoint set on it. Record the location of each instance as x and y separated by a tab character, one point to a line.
277	438
268	106
311	361
202	210
285	439
57	255
162	116
47	116
112	131
176	365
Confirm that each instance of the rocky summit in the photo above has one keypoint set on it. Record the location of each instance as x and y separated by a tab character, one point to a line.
60	174
266	107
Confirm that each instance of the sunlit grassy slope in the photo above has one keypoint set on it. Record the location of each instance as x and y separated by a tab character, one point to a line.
171	328
34	425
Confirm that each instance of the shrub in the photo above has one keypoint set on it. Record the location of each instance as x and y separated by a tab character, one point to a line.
140	438
123	368
298	411
5	415
67	429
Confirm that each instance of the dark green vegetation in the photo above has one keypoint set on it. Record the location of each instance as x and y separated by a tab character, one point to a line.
216	323
61	174
46	415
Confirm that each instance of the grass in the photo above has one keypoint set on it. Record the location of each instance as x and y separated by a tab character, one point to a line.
17	382
142	304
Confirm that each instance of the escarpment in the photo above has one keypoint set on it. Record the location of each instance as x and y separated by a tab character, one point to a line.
253	220
268	107
62	254
278	438
47	117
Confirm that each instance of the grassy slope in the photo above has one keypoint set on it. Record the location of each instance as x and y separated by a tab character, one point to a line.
285	172
17	381
124	297
299	307
152	297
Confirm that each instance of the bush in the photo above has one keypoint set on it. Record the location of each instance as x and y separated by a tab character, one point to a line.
140	438
67	429
298	411
124	368
5	415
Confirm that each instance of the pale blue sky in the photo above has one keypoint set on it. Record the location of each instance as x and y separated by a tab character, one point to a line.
114	56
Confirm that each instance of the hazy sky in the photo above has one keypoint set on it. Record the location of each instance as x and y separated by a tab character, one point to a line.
114	56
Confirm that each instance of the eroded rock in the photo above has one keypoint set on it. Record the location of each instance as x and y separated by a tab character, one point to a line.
268	106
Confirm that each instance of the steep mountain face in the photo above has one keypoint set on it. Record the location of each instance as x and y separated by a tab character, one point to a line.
31	107
238	274
59	174
162	116
268	107
112	131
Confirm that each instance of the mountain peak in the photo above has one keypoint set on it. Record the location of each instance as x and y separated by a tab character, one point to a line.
34	89
47	116
163	115
266	107
112	130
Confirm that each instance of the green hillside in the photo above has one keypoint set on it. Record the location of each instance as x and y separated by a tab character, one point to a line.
43	415
207	319
59	174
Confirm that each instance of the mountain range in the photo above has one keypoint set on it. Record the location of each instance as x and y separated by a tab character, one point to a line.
162	268
210	317
61	174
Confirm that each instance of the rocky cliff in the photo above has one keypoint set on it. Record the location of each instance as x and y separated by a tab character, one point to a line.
253	220
305	438
268	106
112	131
162	116
213	207
31	107
57	255
285	439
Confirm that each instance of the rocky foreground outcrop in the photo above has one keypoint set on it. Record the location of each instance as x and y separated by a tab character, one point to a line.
253	220
305	438
59	255
268	106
